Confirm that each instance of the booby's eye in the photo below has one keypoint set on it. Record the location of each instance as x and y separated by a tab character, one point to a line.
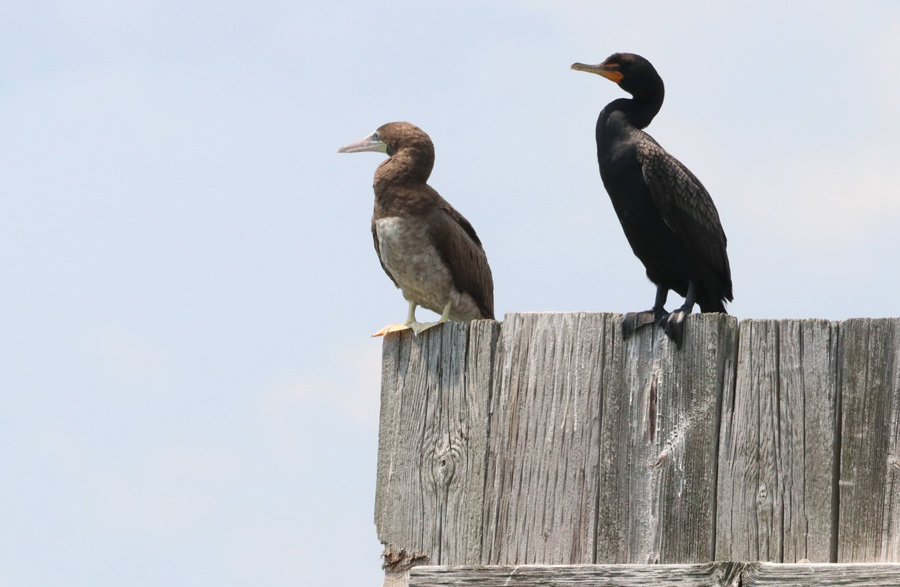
376	136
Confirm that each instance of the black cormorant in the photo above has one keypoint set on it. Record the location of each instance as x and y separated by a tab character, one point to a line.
425	246
668	217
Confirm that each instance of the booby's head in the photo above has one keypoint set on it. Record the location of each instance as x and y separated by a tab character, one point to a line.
409	147
391	138
631	72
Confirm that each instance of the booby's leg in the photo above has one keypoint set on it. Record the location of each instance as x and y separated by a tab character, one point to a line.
655	315
410	322
411	317
674	324
419	328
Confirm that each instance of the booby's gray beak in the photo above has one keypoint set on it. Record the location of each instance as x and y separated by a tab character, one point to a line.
610	72
371	143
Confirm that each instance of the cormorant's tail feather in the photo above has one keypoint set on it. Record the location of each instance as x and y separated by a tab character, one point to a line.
714	303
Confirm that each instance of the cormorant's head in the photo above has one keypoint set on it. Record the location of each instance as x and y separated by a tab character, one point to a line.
631	72
391	138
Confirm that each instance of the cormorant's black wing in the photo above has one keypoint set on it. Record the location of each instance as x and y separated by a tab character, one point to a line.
460	247
685	206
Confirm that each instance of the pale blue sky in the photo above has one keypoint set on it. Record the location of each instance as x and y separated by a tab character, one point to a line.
189	391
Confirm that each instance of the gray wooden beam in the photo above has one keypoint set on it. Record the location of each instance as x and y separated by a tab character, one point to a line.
432	442
869	526
776	453
715	574
699	575
541	489
658	442
820	575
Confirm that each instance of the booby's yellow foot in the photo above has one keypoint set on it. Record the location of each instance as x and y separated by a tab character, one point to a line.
420	327
391	328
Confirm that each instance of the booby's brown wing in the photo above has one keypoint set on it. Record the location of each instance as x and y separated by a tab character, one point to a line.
685	206
378	252
460	247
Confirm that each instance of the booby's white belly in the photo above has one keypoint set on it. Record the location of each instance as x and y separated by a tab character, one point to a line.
419	270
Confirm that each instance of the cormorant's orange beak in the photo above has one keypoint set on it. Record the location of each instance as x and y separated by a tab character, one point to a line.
610	72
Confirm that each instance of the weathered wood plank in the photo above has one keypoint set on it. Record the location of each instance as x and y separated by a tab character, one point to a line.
869	525
715	574
723	574
432	442
808	359
776	453
541	490
821	575
551	440
659	431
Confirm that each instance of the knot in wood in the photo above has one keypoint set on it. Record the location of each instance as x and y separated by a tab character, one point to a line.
444	464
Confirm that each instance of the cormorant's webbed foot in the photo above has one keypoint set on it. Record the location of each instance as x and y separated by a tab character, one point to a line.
674	325
655	315
635	320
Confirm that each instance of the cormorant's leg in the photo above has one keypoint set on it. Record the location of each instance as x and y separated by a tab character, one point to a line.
674	324
657	314
410	323
419	328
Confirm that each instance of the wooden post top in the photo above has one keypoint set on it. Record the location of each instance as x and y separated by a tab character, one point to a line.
547	439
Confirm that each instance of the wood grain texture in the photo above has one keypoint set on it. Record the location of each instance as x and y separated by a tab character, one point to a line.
396	579
715	574
432	441
700	575
869	525
820	575
541	489
776	454
658	437
551	440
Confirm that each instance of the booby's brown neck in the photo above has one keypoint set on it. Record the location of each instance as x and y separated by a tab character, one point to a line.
409	166
400	183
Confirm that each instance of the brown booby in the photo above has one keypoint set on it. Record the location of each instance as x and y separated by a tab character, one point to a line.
427	248
668	217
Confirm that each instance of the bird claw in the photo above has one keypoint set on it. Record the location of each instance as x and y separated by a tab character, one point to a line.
672	323
634	320
674	326
417	328
661	318
420	327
